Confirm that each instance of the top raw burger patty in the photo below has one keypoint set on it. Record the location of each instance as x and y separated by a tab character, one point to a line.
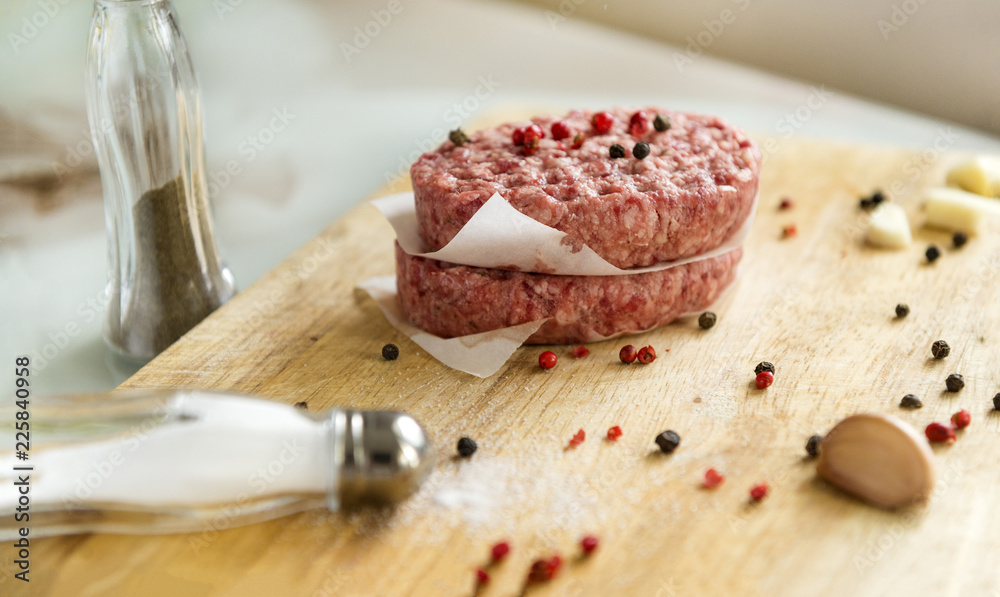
689	195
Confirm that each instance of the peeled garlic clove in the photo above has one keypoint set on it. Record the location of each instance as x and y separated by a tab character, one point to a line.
957	210
889	227
980	175
879	459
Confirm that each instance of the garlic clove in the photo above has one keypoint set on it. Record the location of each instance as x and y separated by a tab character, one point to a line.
878	458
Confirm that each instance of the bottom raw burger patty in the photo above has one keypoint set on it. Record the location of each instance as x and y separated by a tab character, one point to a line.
451	300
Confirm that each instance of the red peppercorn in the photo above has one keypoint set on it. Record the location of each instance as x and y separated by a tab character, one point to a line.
758	492
560	130
786	203
938	432
638	124
713	478
961	419
589	543
578	141
789	231
547	359
646	355
627	354
532	134
602	122
517	137
578	438
614	433
581	351
764	379
500	551
482	577
543	570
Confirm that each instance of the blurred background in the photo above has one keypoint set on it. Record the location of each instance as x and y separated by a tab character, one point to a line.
360	89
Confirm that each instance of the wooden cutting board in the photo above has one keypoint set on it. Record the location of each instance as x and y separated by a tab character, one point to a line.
819	305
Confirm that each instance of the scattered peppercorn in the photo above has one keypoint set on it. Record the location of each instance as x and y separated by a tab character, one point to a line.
390	352
902	310
789	231
547	359
996	402
578	438
866	203
641	150
764	380
302	405
786	203
482	577
661	123
961	419
955	382
560	130
500	551
812	445
532	135
517	137
932	253
580	351
578	141
467	447
646	355
758	492
877	198
940	349
543	570
713	478
589	543
616	151
910	401
602	122
638	124
668	441
959	239
706	320
763	366
458	137
937	433
614	433
627	354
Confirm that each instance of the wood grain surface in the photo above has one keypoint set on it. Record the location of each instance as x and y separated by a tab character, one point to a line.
819	305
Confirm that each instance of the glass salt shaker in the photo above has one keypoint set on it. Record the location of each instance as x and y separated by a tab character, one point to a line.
165	270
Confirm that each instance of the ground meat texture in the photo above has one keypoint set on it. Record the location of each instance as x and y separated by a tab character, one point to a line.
690	195
456	300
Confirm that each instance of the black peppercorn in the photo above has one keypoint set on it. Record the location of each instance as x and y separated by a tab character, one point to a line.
940	349
390	352
910	401
959	239
763	366
865	203
467	447
707	320
812	446
640	150
668	441
616	151
661	123
877	198
902	310
955	382
932	253
996	402
458	137
302	405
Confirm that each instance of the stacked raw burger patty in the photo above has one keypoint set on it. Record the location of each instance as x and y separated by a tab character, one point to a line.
690	194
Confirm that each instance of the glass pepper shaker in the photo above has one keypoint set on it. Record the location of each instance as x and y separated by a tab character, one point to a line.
165	272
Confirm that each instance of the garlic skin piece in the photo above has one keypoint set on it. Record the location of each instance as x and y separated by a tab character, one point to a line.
889	227
980	175
957	210
879	459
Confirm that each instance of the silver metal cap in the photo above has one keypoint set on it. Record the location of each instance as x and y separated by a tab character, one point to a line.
378	456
